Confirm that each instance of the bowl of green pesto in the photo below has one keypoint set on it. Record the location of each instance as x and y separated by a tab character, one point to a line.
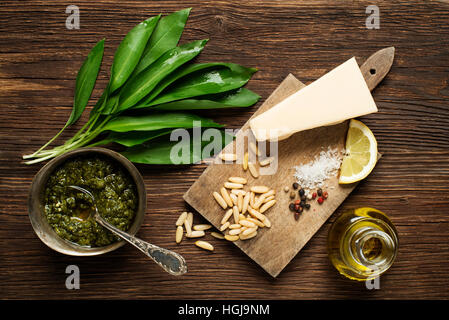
61	216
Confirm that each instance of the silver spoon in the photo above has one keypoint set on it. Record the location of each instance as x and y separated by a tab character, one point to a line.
170	261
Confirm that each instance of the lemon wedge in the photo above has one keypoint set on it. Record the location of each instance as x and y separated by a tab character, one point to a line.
361	153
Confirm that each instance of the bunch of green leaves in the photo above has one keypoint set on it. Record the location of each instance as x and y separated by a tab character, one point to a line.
153	86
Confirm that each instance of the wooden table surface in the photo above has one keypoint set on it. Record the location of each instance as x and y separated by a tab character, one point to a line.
39	59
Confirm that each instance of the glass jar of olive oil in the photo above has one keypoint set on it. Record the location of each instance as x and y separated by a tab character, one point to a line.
362	244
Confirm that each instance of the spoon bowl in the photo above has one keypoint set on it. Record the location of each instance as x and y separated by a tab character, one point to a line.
168	260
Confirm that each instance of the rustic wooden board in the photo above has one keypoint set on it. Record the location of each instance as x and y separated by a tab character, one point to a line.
273	248
39	60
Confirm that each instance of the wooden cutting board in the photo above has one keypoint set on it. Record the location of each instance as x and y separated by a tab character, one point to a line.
273	248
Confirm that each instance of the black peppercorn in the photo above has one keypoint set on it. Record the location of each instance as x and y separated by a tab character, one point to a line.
295	185
302	203
296	215
291	207
307	206
303	198
319	192
301	192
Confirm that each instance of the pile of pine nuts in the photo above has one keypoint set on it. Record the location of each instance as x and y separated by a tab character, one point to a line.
247	208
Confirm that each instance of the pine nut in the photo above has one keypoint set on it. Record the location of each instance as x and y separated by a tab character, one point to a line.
254	149
256	222
228	156
240	202
267	222
241	216
234	232
190	218
232	185
253	170
236	214
249	236
266	161
270	193
226	216
245	161
252	198
202	227
256	214
249	231
226	197
238	191
220	200
188	227
196	234
247	223
204	245
258	202
238	180
225	226
179	234
181	219
231	237
217	235
260	189
234	199
235	226
267	206
268	199
246	202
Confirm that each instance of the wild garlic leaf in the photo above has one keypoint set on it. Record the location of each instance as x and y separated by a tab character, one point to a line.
185	151
129	52
133	138
142	84
85	81
209	81
165	37
241	97
181	72
157	121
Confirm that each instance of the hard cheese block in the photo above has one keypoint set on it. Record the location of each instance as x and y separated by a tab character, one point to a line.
339	95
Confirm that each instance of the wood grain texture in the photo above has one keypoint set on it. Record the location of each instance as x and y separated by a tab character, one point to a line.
39	59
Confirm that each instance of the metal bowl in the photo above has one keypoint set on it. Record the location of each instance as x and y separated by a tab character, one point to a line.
36	208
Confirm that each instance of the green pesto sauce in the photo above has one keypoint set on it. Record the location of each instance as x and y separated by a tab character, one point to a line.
68	210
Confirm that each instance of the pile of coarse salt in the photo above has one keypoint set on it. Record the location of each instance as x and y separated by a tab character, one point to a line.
313	174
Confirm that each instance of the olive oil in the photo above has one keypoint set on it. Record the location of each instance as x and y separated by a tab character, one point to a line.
362	243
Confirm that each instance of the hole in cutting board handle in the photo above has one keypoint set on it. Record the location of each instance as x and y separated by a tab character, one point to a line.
372	71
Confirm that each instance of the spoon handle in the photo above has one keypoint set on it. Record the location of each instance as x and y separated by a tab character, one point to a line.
168	260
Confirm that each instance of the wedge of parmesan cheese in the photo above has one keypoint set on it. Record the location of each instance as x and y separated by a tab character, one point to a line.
339	95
